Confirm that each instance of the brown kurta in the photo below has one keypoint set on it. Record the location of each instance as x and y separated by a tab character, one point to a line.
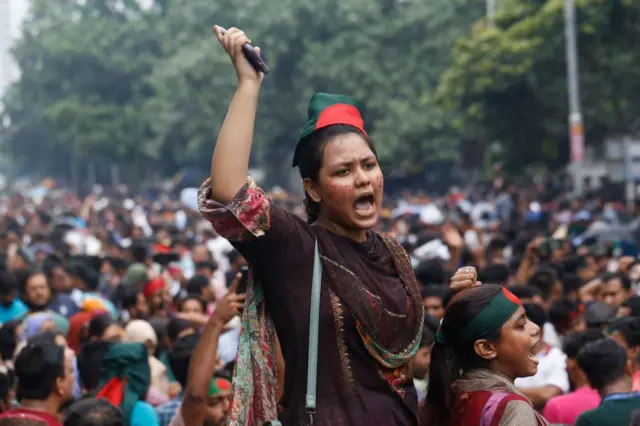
353	387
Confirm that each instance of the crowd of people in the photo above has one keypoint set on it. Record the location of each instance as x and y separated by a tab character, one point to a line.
496	305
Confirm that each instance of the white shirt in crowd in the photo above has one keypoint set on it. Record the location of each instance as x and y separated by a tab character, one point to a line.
551	372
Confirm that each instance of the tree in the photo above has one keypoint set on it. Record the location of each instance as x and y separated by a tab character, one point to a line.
148	88
508	83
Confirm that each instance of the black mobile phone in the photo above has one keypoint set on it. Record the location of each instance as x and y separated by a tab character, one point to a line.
244	281
256	61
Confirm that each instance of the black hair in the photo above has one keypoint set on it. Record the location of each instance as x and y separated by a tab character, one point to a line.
497	243
571	282
196	297
209	264
45	337
8	283
629	328
129	296
494	273
633	303
603	362
431	272
573	342
139	252
525	291
99	324
310	152
93	412
544	279
117	263
89	360
624	280
37	368
448	361
574	263
9	339
50	264
175	326
180	357
635	418
196	284
85	273
434	290
562	313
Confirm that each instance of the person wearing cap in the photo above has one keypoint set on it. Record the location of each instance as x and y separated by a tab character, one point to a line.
372	315
485	342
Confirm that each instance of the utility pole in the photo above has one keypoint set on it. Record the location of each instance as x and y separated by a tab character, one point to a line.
576	126
491	10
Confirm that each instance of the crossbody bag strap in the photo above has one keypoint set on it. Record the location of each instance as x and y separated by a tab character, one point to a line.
314	318
312	366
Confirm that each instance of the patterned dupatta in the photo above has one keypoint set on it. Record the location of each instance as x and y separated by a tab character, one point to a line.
254	379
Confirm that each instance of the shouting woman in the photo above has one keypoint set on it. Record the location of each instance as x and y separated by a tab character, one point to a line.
484	343
371	312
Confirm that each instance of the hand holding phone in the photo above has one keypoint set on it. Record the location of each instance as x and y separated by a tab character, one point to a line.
244	281
252	56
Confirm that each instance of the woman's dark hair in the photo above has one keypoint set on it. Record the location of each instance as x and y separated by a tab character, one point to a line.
310	153
99	324
93	412
447	362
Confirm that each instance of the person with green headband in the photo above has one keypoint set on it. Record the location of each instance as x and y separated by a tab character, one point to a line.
484	343
371	311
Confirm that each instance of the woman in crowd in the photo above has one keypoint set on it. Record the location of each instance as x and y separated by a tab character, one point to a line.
371	311
484	343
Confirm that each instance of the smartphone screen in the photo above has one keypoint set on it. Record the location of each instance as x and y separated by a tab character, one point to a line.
244	281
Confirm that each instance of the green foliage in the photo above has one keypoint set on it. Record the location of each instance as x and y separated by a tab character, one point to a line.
109	81
508	83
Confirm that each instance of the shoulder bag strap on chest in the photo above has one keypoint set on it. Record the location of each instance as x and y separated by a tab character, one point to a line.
312	366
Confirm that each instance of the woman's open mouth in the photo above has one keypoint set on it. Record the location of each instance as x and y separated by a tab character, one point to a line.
534	350
365	204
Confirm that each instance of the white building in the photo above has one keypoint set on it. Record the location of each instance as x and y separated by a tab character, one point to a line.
12	13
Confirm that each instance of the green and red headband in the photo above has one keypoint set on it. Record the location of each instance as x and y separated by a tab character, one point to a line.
218	386
327	110
487	323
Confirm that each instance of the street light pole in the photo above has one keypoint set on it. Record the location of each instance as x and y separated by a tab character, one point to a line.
576	127
491	10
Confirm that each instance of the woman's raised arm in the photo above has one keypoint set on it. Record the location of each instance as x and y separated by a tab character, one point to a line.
230	162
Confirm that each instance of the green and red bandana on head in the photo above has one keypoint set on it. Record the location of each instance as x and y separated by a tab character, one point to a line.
125	376
487	322
327	110
219	386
